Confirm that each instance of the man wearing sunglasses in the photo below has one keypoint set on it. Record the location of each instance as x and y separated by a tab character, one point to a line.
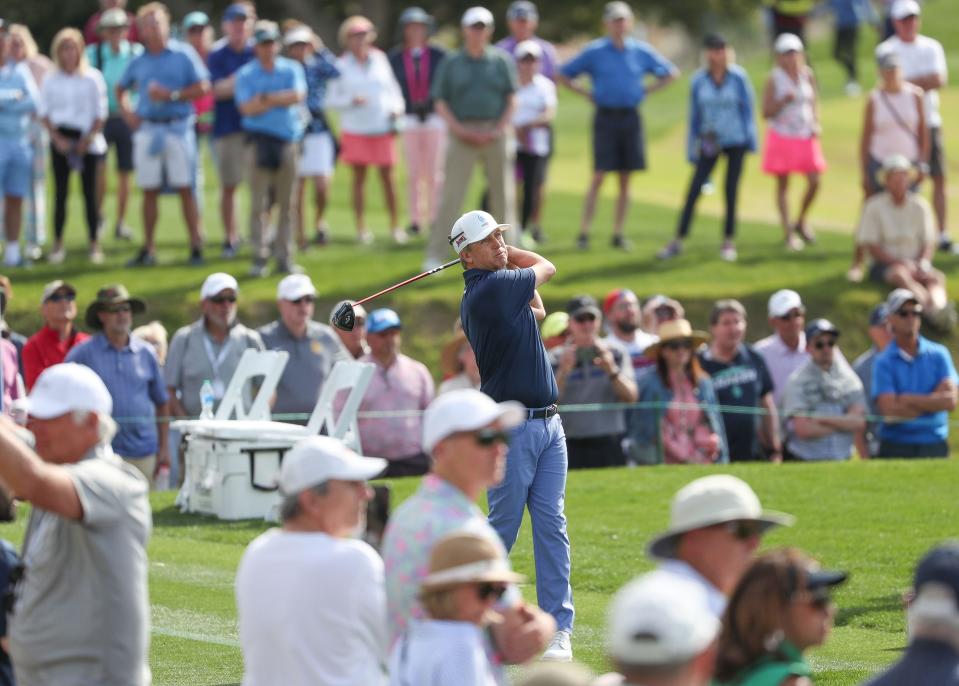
914	384
50	345
128	367
785	350
824	406
313	348
715	527
209	348
466	434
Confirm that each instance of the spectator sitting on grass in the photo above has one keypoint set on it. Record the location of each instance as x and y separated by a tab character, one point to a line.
881	337
914	385
715	527
823	403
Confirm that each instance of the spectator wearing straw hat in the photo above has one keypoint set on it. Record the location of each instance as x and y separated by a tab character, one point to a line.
467	574
661	630
313	347
309	596
354	341
129	369
458	364
914	383
824	407
50	345
91	35
715	526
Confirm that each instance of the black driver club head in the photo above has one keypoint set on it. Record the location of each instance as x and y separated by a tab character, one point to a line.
344	317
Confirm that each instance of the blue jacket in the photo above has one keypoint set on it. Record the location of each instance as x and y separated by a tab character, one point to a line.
643	427
726	110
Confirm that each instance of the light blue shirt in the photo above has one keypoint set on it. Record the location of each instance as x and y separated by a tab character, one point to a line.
175	67
252	80
112	65
18	100
724	110
618	75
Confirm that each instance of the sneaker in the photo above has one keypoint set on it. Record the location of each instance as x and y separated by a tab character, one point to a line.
229	251
582	242
259	269
399	236
143	259
708	188
620	242
727	253
365	237
96	255
670	251
57	256
413	229
559	649
805	234
196	257
855	273
122	232
32	251
322	235
853	89
794	244
946	245
289	268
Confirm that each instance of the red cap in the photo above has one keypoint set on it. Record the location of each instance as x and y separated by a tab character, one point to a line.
613	297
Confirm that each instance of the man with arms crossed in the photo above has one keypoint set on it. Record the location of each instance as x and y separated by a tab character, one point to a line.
499	311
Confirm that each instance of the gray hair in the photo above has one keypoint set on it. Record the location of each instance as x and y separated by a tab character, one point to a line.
290	505
722	307
934	614
106	427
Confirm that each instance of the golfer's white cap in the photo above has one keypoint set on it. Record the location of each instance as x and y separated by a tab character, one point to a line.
317	459
68	387
294	287
659	619
905	8
782	302
477	15
471	227
217	282
788	42
466	410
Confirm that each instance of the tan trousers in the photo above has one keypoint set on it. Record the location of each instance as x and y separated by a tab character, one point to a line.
145	465
498	159
272	186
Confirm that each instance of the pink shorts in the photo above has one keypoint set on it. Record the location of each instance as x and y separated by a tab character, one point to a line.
375	151
782	155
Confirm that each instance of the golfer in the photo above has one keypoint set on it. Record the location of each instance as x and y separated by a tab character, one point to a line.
499	312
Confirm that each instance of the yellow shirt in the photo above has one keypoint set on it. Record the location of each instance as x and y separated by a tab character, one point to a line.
903	231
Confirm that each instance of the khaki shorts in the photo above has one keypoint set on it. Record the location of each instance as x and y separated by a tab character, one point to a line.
230	158
145	465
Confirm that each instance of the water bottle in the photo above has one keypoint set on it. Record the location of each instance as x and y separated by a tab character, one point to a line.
161	481
206	400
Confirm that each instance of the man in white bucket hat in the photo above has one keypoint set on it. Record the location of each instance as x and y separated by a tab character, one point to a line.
715	525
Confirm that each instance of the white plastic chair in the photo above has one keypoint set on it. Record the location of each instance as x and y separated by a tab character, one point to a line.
346	374
266	363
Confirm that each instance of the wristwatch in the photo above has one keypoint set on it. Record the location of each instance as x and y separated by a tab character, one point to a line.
175	96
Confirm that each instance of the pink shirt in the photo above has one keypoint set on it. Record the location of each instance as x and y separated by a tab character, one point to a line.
405	387
10	369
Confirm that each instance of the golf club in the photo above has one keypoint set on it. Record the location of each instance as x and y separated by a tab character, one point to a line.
344	317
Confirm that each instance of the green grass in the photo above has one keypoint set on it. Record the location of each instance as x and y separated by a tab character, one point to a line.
873	519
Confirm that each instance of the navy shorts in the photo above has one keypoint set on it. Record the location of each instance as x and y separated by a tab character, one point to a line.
618	142
118	134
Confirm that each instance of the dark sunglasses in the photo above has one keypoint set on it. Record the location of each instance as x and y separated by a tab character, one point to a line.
586	317
309	299
665	312
220	299
794	314
905	314
488	437
486	591
682	344
828	343
123	307
60	297
742	530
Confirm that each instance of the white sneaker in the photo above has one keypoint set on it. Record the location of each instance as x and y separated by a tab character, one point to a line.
364	237
853	89
728	253
57	256
399	236
559	649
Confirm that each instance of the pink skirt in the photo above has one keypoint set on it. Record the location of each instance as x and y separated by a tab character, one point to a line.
782	155
374	151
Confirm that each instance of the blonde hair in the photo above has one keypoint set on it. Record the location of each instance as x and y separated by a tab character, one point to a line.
439	603
64	35
23	33
352	22
155	334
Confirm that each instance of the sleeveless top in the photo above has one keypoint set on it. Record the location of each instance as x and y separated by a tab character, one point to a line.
797	119
895	122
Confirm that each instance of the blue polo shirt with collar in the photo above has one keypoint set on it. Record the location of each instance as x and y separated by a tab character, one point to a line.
502	330
280	122
894	371
175	67
133	377
618	75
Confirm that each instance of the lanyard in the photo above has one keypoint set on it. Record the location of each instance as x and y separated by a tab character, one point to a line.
418	74
215	362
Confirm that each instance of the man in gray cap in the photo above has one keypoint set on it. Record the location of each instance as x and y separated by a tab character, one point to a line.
824	407
715	526
522	19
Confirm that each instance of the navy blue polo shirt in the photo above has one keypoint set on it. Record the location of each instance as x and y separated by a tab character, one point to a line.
502	330
926	662
895	372
223	62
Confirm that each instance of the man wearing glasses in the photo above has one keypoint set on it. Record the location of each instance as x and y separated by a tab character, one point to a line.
209	348
128	367
50	345
914	384
785	350
715	527
824	406
313	347
466	434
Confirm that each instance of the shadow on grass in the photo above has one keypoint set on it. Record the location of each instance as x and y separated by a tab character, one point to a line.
172	517
885	603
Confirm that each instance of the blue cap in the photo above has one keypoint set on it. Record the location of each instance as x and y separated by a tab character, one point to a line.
941	565
415	15
381	320
195	19
236	11
878	315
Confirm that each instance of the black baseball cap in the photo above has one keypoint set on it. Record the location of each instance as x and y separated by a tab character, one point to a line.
714	41
820	326
582	304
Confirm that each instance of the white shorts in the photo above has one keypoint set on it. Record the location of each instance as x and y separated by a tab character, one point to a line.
172	167
318	155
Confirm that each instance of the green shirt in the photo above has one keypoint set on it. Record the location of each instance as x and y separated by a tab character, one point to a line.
772	670
113	64
476	88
